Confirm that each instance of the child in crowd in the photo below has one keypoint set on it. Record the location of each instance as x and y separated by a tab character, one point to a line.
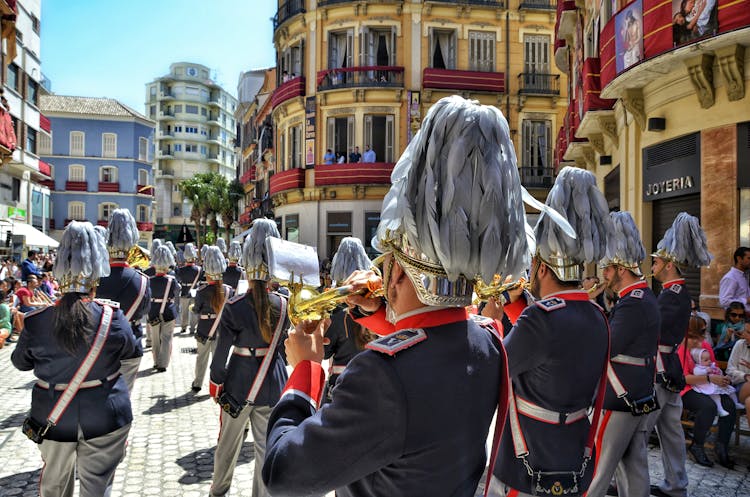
704	366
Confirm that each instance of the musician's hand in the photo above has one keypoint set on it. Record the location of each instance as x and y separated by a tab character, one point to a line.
493	309
364	281
516	293
306	342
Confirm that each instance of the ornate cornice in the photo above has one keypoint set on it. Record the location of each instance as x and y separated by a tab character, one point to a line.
732	64
608	126
701	72
632	99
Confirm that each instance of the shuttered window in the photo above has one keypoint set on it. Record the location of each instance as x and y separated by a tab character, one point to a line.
481	51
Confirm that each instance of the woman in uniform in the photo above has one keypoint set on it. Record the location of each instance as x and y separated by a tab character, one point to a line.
209	304
250	384
165	289
88	438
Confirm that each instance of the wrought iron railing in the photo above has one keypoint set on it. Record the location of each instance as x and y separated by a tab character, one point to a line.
534	83
287	10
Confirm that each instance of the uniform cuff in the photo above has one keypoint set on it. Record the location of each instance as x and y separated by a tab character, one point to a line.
377	323
214	390
515	309
307	381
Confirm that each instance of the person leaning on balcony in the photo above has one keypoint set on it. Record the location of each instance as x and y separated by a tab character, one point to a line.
329	157
369	155
355	156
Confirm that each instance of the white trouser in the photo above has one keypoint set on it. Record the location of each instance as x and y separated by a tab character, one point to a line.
672	441
187	319
201	361
129	371
161	341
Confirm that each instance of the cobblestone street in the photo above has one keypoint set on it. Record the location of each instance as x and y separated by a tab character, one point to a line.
172	440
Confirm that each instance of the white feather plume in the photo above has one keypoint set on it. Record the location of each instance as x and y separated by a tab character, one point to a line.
349	257
82	254
235	251
222	244
214	262
189	252
162	257
686	242
625	244
123	231
254	250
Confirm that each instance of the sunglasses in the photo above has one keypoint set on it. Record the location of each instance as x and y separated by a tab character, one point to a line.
736	315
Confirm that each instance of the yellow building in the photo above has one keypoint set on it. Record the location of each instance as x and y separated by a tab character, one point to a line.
660	112
363	73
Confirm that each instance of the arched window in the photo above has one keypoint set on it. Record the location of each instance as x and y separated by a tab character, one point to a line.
143	177
76	211
108	174
105	210
76	172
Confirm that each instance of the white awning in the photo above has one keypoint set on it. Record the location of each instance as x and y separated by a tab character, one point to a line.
33	237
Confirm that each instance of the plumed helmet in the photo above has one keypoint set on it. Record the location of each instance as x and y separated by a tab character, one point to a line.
455	208
222	244
214	263
123	233
575	196
82	258
162	258
171	248
204	248
235	251
350	257
684	243
625	247
155	243
189	252
254	251
102	232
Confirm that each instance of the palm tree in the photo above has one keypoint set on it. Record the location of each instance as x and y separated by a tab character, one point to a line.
228	209
195	190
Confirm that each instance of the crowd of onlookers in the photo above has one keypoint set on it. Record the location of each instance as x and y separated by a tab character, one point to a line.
24	287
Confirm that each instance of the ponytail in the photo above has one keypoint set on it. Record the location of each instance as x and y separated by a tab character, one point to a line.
262	305
69	325
217	299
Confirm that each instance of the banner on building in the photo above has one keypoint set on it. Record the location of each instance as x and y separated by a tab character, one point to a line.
629	36
310	120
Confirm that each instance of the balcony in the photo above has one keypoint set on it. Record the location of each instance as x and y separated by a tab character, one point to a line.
145	190
166	115
286	11
245	218
248	176
537	5
45	168
489	3
109	187
592	87
566	19
452	79
76	186
561	55
287	180
102	222
49	183
164	154
293	88
359	77
537	177
533	83
44	123
376	173
166	95
144	226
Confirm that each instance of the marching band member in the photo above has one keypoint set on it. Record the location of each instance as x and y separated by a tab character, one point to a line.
173	251
454	210
547	443
684	244
233	273
208	307
250	383
155	244
76	348
125	285
222	244
161	316
347	338
634	325
188	276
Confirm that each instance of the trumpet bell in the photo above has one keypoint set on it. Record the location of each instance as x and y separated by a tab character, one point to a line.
138	257
308	304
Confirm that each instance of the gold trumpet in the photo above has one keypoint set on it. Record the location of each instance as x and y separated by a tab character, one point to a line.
591	290
308	304
138	257
495	289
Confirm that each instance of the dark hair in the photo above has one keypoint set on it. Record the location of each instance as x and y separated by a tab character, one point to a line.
740	253
218	296
31	253
361	335
696	327
733	306
258	296
69	324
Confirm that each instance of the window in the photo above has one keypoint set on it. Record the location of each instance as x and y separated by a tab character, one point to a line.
76	172
340	51
77	141
45	144
142	214
379	136
31	140
178	147
178	108
191	129
372	220
178	129
377	47
142	177
192	90
204	112
76	211
152	111
32	92
291	223
191	109
191	147
109	145
35	24
443	48
13	79
204	150
291	63
105	210
481	51
536	54
142	148
108	174
340	136
537	149
15	192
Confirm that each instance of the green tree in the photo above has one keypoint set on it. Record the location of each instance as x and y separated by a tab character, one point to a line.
195	189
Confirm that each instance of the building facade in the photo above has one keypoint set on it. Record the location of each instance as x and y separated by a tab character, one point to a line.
363	73
195	133
24	178
659	111
100	155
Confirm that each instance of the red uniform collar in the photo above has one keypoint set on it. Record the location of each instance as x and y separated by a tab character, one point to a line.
189	264
119	264
160	274
569	295
433	318
630	288
667	284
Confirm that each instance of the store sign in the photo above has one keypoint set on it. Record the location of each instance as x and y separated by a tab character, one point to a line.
672	168
16	213
310	122
670	185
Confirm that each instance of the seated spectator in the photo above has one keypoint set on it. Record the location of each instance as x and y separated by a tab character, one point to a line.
29	267
695	309
703	367
734	322
27	301
329	157
6	325
738	369
701	406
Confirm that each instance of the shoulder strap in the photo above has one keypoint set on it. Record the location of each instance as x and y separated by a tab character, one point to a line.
197	276
166	296
266	364
138	299
83	369
502	409
218	314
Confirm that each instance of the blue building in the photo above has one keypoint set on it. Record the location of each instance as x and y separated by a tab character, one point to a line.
100	153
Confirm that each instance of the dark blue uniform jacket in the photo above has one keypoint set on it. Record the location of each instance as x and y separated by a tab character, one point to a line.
98	410
557	351
122	285
674	304
186	275
239	327
202	306
410	424
232	276
158	289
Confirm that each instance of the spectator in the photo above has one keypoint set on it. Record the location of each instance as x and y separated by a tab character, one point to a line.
329	157
738	370
284	77
729	331
701	406
695	310
341	158
26	299
6	326
6	269
733	286
46	285
704	366
28	266
47	266
369	156
355	156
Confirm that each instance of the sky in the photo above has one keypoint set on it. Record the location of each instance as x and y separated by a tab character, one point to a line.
112	48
